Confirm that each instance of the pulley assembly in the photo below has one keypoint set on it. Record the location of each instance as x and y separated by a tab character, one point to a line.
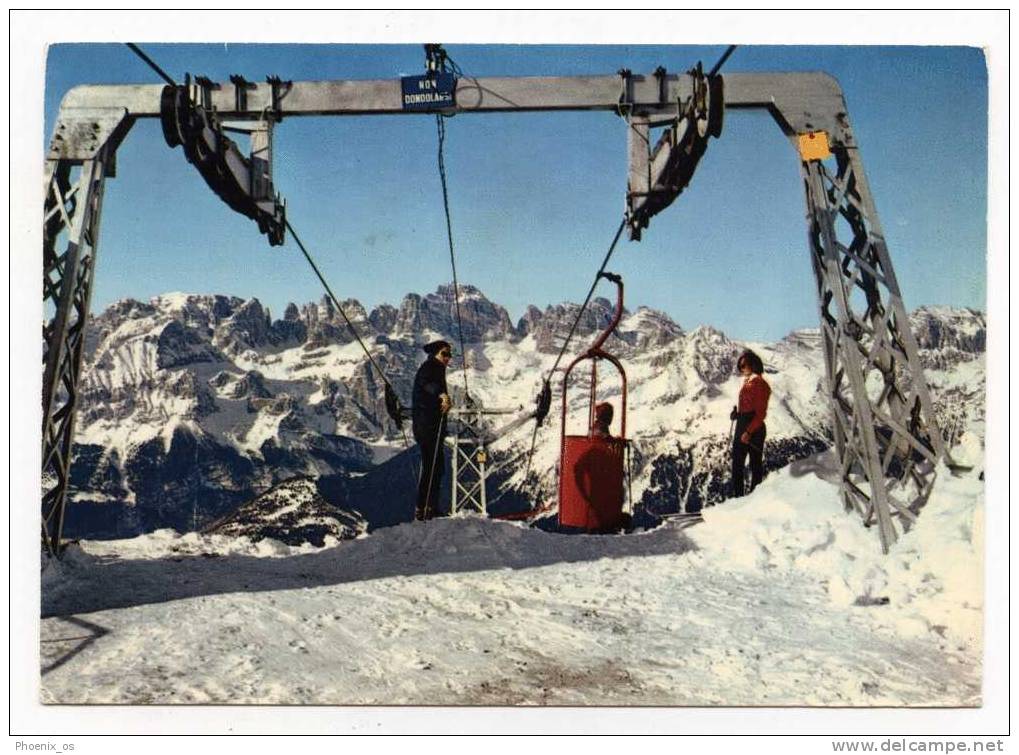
244	183
658	176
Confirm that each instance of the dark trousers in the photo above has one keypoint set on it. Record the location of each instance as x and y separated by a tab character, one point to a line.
754	449
430	441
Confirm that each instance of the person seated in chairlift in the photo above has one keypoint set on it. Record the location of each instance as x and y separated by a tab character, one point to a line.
603	414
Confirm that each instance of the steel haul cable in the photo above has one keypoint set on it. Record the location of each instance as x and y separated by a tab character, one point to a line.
534	435
441	127
573	328
721	61
590	293
343	314
166	77
138	51
152	64
439	60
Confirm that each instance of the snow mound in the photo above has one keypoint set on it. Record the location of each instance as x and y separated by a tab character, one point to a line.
932	574
167	543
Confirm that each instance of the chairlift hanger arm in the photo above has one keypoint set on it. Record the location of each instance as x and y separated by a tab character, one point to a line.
491	436
509	427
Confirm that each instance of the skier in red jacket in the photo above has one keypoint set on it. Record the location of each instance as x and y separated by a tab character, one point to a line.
749	417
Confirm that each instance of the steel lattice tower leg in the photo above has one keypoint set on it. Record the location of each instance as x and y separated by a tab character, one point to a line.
72	209
883	421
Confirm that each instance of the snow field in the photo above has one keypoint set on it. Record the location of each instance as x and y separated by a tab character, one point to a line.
757	605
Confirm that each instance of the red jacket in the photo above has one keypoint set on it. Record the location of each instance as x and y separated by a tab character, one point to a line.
753	397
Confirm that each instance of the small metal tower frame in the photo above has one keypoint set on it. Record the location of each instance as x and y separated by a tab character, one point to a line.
471	467
470	461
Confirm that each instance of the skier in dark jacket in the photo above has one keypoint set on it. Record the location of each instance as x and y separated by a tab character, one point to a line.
749	417
430	404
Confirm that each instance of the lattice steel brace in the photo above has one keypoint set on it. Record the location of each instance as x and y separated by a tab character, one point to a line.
80	159
882	416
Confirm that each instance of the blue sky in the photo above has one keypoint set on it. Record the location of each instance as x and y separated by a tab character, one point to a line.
536	198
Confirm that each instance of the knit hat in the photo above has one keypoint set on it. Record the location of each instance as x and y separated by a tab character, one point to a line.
433	348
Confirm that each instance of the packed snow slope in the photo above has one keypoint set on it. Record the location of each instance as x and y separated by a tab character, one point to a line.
779	598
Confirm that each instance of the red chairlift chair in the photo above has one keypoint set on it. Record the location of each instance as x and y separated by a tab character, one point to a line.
592	467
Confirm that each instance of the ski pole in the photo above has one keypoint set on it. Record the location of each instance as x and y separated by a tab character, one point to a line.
431	470
629	478
732	449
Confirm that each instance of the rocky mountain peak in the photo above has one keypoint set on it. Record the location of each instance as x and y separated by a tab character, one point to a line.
247	327
711	354
650	329
292	512
964	329
128	308
197	309
437	312
551	327
383	318
355	311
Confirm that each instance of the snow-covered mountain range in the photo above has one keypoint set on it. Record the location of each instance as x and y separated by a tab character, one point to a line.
193	406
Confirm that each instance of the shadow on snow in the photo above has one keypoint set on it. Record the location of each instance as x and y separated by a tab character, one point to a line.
440	546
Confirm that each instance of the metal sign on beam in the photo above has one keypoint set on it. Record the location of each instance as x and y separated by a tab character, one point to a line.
432	91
